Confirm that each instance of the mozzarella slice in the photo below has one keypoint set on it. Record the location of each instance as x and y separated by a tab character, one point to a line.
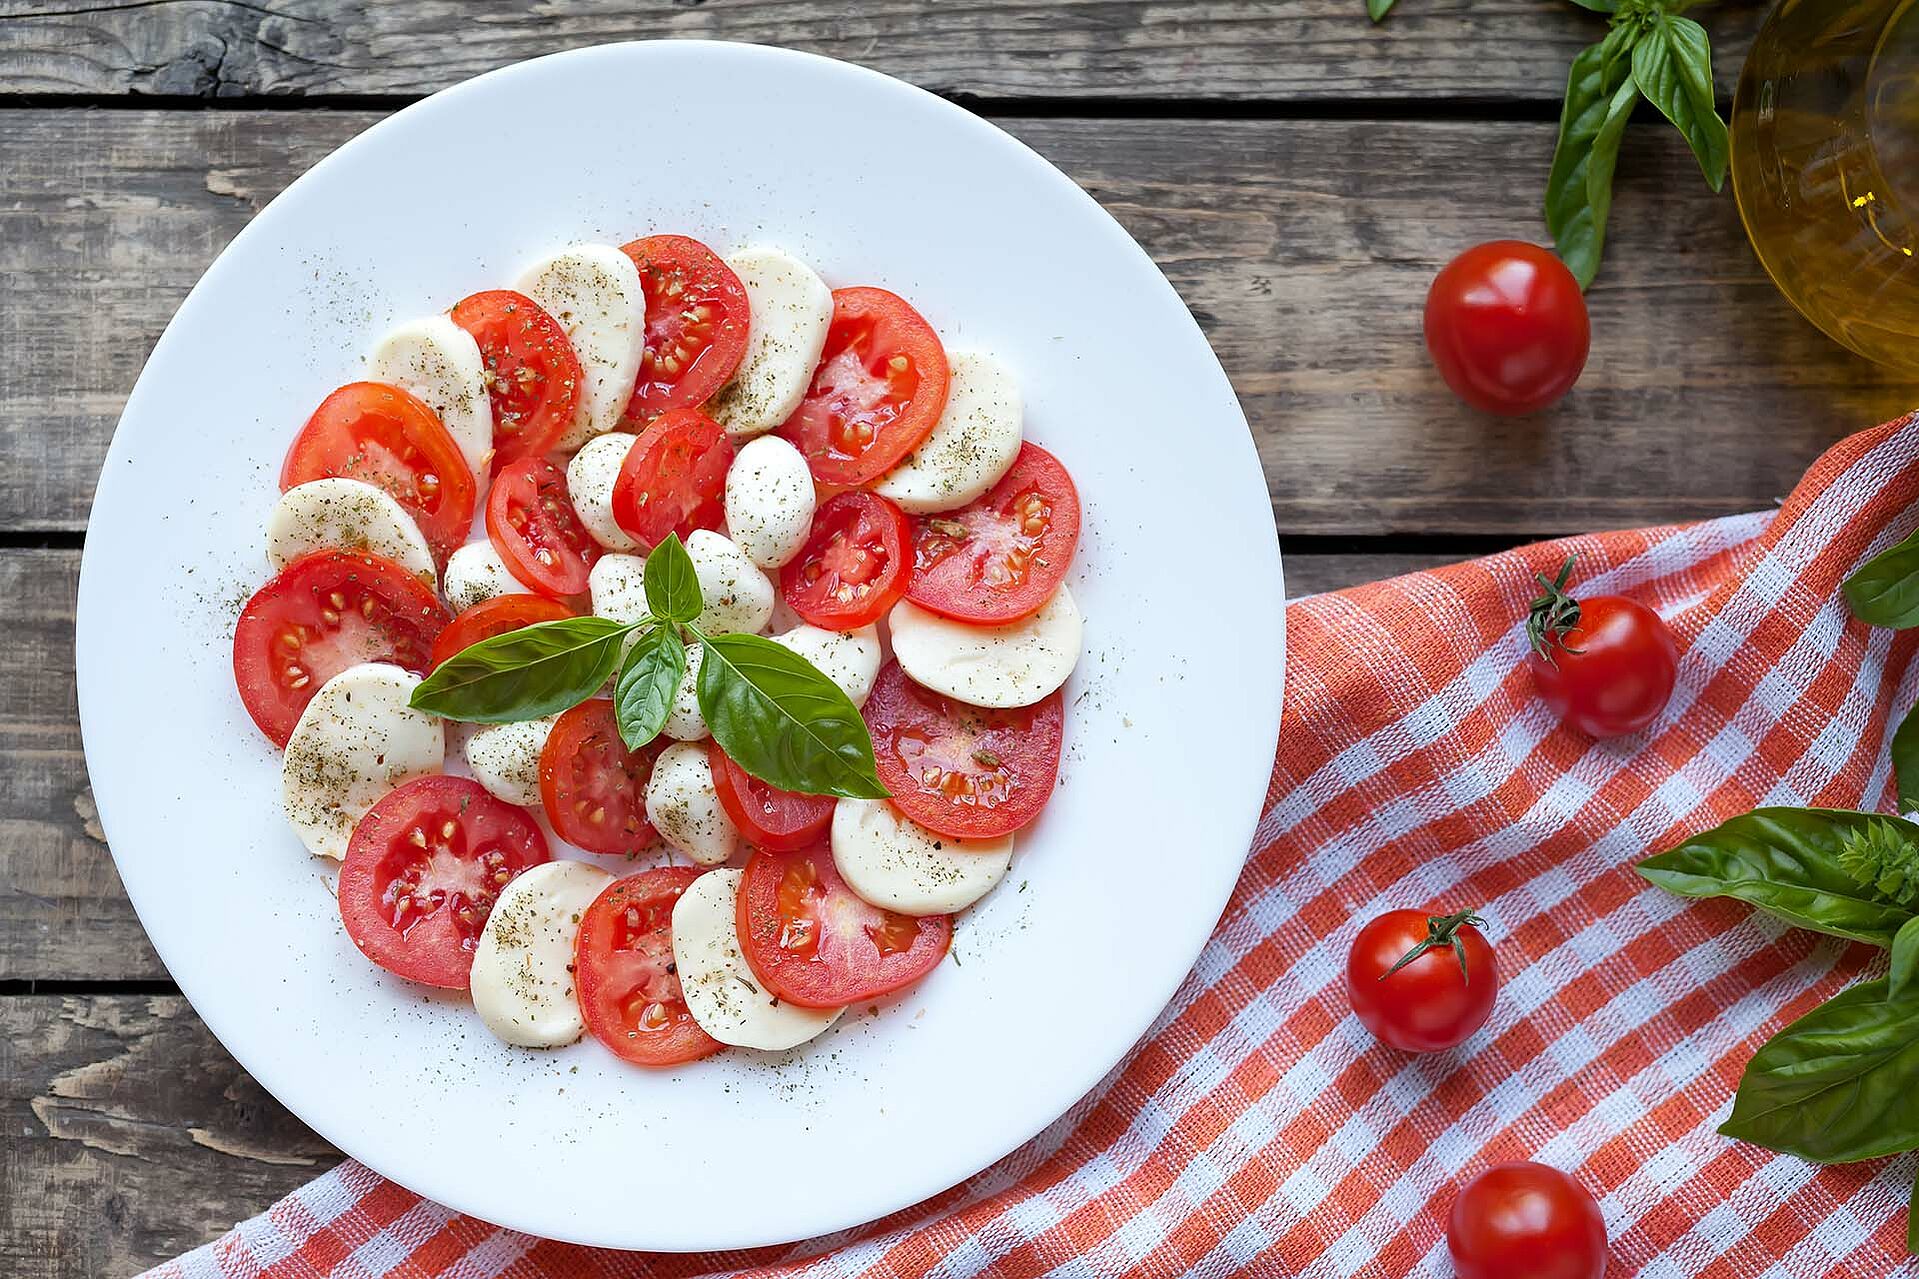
791	308
355	741
737	595
998	666
617	584
685	723
593	290
893	861
850	659
721	991
769	500
439	362
523	965
505	758
971	446
475	573
589	482
684	808
352	516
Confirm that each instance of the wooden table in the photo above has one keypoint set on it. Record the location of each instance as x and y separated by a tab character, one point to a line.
1298	173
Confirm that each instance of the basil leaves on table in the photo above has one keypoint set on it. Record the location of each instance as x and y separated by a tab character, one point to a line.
1905	763
1884	591
775	713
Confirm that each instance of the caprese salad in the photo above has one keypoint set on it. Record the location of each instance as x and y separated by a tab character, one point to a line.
770	579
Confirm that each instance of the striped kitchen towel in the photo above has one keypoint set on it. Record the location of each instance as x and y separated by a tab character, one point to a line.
1258	1129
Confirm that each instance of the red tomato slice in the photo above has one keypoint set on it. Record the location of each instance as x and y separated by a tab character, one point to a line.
697	321
767	816
879	388
532	375
530	517
592	787
380	434
813	942
854	565
959	770
422	872
496	616
674	478
1002	557
623	967
323	613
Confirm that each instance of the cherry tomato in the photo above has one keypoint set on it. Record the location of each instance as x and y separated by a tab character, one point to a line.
493	617
879	388
532	523
1605	665
767	816
1507	326
532	375
1526	1221
592	787
423	870
697	320
382	435
674	478
854	565
623	963
1422	983
321	614
1001	558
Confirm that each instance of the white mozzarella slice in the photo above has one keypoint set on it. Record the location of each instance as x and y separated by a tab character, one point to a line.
850	659
523	964
440	363
996	666
355	741
685	723
721	991
684	808
892	861
617	584
971	446
769	501
791	309
352	516
505	758
476	572
737	595
589	482
593	290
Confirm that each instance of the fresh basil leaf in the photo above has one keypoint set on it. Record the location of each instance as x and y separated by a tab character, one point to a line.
1839	1084
672	587
537	670
1905	959
1905	761
781	720
643	695
1599	100
1672	65
1598	6
1786	861
1377	9
1884	591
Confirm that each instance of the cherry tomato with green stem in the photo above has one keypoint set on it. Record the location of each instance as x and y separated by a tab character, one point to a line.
1422	982
1605	665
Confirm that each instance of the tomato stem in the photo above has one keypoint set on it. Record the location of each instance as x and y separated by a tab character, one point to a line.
1554	614
1443	930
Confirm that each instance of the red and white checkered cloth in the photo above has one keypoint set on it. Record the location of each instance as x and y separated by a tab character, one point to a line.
1259	1129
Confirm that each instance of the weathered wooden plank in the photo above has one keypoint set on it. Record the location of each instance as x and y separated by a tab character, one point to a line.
1271	50
1304	247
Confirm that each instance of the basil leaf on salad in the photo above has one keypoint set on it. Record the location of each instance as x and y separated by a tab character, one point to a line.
1885	589
672	587
537	670
649	680
1672	65
784	722
1817	868
1600	95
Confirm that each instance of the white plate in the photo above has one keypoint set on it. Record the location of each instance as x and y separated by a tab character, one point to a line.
1174	711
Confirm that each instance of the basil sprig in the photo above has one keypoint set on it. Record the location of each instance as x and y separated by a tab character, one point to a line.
772	711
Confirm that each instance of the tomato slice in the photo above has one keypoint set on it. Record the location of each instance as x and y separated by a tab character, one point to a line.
767	816
530	517
960	770
674	478
321	614
380	434
813	942
854	565
496	616
879	388
697	321
623	965
423	870
532	374
1000	558
592	787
